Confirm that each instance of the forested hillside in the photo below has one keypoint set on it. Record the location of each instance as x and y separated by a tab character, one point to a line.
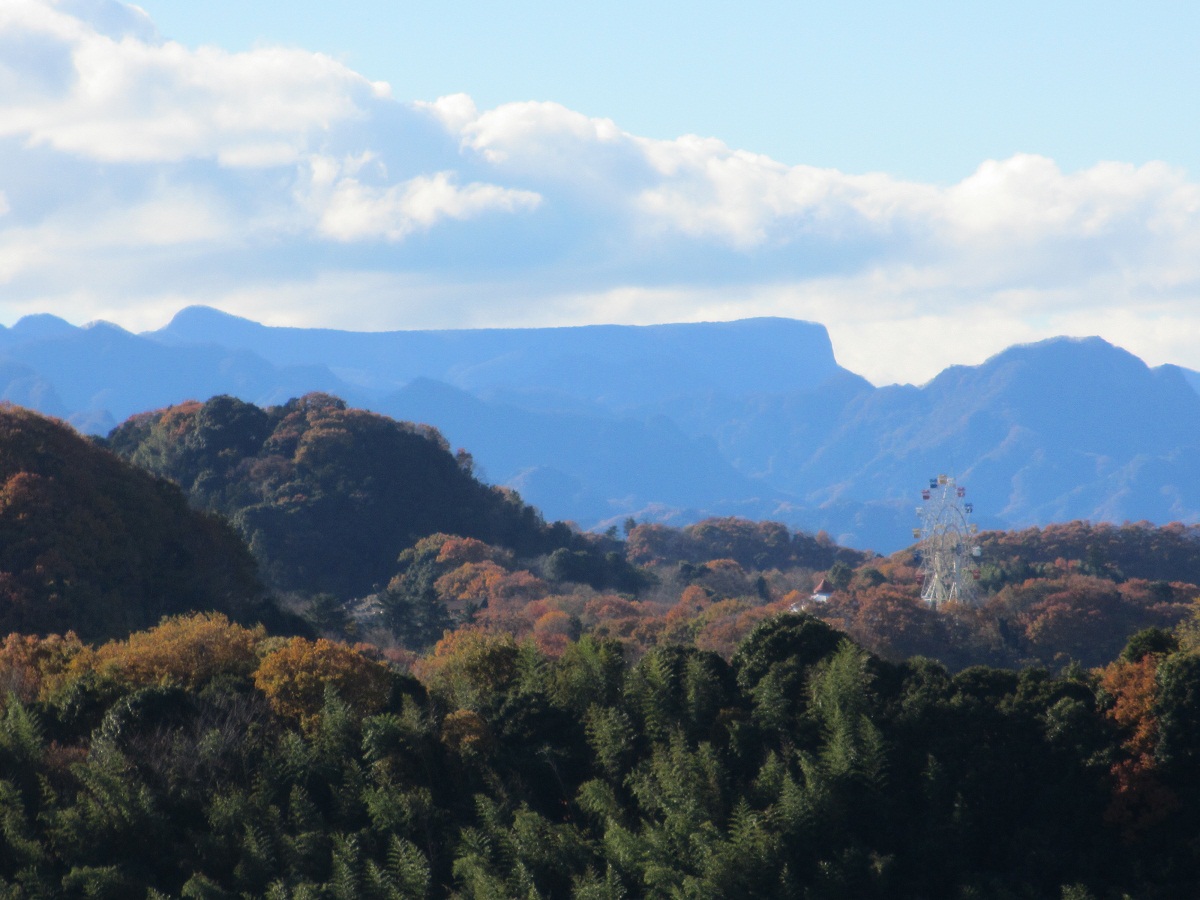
92	544
204	759
326	496
375	531
708	585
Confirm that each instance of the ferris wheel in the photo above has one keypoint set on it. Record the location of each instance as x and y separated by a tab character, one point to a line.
947	551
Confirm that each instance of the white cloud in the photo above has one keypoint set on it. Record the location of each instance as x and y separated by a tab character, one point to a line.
137	174
351	210
129	98
70	249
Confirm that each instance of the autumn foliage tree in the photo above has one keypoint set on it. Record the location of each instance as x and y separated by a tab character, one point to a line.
187	650
753	545
296	677
1140	799
31	665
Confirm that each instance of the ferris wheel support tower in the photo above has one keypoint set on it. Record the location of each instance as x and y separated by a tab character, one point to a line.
948	552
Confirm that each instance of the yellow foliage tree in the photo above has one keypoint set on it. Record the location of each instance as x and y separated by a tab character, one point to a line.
468	666
31	665
295	676
187	650
466	733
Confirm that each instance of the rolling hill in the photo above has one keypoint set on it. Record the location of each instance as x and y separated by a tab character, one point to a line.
92	544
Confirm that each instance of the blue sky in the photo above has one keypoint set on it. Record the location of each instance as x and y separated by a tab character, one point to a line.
922	90
933	182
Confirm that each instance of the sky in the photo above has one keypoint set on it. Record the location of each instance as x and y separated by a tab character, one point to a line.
932	181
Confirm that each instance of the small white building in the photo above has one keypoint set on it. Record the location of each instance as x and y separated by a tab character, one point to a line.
821	594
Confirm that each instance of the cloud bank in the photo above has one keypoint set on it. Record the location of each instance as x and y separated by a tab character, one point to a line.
138	175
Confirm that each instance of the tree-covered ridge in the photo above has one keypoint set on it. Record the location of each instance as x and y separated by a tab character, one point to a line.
326	496
93	544
1135	550
574	716
752	545
205	759
1030	613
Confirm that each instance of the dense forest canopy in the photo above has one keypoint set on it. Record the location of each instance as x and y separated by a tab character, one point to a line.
1133	550
204	759
481	705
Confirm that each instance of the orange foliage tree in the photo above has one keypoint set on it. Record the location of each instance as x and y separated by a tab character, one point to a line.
554	630
724	625
455	551
484	582
1079	617
892	621
471	582
611	616
1139	799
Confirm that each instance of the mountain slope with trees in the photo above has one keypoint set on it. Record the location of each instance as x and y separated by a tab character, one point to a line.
543	713
92	544
327	496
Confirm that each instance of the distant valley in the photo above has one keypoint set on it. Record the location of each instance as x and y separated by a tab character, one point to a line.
676	422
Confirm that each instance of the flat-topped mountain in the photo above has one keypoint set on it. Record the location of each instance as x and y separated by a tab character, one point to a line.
619	366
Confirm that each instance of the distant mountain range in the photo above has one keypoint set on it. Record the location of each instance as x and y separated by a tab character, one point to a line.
676	422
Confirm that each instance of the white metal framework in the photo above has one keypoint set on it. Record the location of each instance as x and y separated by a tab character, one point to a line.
947	550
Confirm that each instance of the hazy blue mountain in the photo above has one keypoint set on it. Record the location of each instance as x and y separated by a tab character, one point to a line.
617	366
1062	429
586	467
579	420
674	422
1191	376
98	375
